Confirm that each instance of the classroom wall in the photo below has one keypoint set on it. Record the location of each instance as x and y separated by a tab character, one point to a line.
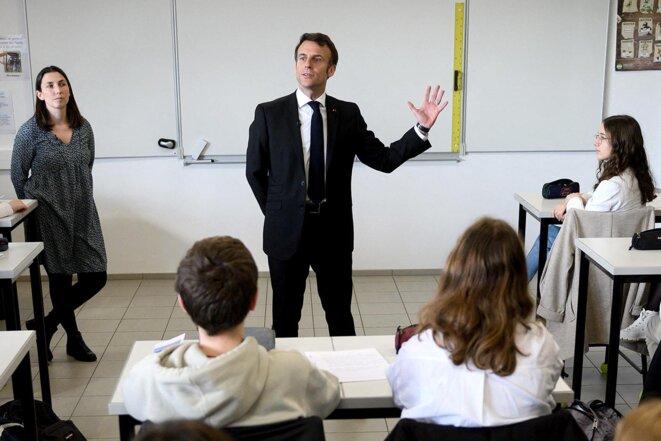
153	209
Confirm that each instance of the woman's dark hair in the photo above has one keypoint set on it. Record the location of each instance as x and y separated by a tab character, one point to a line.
41	114
626	138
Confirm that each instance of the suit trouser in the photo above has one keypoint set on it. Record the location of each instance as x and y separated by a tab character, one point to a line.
334	284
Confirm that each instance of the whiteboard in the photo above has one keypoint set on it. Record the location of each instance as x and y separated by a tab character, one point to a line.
119	58
535	74
235	55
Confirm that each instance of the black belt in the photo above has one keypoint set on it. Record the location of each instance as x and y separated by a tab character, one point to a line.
311	208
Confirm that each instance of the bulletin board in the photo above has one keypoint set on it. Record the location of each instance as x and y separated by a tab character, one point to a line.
638	35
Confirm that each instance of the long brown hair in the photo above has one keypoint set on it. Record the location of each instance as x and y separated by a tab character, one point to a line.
628	152
482	297
41	114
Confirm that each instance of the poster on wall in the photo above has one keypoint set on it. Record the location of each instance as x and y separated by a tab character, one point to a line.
6	113
13	57
638	35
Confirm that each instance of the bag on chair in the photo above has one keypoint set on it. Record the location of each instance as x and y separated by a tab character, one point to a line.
402	334
595	419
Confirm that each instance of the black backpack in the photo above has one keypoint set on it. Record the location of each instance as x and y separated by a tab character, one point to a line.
49	426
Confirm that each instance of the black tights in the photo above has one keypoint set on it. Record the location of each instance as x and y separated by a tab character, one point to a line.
67	297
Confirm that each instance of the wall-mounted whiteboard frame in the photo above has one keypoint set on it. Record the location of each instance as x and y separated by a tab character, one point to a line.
234	55
535	84
119	56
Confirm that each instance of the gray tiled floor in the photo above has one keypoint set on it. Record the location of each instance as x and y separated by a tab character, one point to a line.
129	310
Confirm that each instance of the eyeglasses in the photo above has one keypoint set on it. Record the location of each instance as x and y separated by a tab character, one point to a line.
600	138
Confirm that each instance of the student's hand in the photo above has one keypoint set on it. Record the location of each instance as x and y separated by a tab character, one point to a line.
431	106
17	205
559	211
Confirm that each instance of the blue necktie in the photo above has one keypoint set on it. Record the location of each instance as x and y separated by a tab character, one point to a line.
316	186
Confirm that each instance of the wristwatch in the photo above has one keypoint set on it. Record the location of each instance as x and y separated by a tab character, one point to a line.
423	129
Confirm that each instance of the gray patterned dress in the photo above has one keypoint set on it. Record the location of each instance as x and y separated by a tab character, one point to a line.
59	176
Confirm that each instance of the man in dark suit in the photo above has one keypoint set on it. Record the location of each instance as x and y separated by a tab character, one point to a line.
300	157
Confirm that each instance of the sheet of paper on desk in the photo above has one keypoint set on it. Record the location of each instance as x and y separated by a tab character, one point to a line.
348	366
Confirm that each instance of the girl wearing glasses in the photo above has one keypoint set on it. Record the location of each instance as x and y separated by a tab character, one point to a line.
624	180
52	163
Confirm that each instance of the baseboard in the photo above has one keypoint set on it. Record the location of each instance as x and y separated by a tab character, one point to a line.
262	274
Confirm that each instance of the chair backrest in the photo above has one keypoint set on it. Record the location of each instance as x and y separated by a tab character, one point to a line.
301	429
559	426
264	336
559	280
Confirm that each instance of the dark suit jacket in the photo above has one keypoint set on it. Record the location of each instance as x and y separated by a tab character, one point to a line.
276	174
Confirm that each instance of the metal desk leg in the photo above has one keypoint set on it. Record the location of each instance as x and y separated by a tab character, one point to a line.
10	303
581	312
127	427
522	224
22	380
543	239
614	341
42	349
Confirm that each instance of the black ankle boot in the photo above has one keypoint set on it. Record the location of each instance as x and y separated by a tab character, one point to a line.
77	348
50	331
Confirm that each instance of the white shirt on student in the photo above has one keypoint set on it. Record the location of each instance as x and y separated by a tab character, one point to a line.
429	387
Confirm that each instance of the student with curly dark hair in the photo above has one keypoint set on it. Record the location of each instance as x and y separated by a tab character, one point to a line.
479	358
624	179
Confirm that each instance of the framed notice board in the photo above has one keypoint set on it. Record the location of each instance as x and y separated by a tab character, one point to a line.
638	35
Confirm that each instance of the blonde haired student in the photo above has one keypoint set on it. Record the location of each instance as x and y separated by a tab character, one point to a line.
641	424
479	358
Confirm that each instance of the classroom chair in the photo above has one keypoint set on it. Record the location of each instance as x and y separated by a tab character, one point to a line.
559	280
559	426
301	429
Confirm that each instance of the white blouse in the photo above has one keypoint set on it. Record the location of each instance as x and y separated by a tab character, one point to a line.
615	194
429	387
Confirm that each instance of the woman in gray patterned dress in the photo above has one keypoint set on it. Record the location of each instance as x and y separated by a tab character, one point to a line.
52	163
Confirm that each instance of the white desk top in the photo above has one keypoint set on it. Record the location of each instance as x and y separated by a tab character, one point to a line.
10	221
357	395
13	347
536	205
17	258
614	256
540	208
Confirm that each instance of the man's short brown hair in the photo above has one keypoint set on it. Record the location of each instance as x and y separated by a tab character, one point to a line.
217	280
321	40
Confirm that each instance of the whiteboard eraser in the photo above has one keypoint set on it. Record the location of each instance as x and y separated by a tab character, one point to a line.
199	148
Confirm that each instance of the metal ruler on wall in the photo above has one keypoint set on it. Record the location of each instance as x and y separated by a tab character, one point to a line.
458	82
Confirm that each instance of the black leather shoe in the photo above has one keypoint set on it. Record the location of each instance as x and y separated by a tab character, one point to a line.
77	348
50	330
